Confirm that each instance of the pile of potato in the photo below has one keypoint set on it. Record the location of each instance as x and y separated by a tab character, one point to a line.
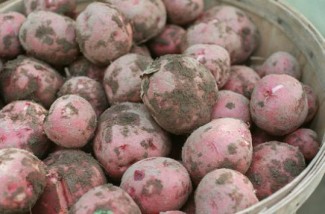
145	106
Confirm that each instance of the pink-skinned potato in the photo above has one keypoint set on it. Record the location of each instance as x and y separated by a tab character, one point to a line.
87	88
49	37
57	6
313	103
103	33
278	104
157	184
21	126
242	80
26	78
260	136
105	199
183	12
122	80
274	165
172	212
231	104
214	57
22	180
70	174
140	49
126	134
179	92
71	121
148	17
224	191
221	143
10	23
306	140
168	41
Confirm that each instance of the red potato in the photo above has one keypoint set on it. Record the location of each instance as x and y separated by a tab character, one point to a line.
87	88
26	78
122	80
49	37
71	173
103	34
83	67
172	212
126	134
233	105
239	22
313	104
105	199
140	49
22	180
280	63
224	191
274	165
214	57
71	121
179	92
215	32
278	104
222	143
183	12
10	23
242	80
189	206
260	136
157	184
148	17
168	41
57	6
306	140
21	126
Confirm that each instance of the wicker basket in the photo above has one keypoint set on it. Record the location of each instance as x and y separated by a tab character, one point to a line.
283	29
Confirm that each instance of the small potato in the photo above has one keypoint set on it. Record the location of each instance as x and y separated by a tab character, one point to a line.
70	174
213	57
122	80
140	49
127	133
168	41
222	143
103	34
242	80
274	165
26	78
313	104
71	121
278	104
49	37
21	126
105	199
157	184
306	140
22	180
86	88
10	23
224	191
57	6
233	105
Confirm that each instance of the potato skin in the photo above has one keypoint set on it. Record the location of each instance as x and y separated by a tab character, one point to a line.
122	80
21	126
57	6
49	37
71	173
222	143
10	23
103	33
157	184
278	104
214	57
22	180
179	93
26	78
71	121
313	103
140	49
306	140
106	199
224	191
126	134
274	165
